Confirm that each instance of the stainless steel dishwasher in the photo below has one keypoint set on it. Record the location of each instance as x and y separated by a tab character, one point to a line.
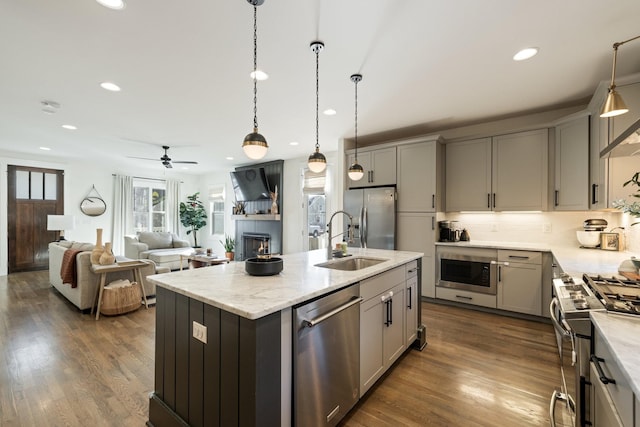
326	363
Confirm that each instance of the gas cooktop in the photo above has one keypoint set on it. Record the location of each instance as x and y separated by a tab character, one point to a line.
617	294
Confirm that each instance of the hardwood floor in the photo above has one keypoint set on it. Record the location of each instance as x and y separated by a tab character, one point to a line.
59	367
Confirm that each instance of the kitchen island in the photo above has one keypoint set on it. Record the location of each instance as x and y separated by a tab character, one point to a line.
236	368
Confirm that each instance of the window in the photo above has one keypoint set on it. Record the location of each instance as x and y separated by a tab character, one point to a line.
313	188
32	185
216	209
149	206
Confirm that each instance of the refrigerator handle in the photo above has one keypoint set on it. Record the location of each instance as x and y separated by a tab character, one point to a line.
365	227
361	222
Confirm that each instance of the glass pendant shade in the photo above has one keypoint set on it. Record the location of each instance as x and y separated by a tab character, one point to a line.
255	145
614	105
317	162
356	172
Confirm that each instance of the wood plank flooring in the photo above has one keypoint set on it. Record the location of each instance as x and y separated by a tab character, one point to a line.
59	367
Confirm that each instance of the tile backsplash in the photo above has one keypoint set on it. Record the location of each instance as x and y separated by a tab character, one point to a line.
554	228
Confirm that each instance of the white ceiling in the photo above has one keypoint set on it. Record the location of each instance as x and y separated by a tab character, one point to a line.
184	70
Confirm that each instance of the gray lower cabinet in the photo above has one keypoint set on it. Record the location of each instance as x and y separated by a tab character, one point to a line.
612	402
382	329
520	281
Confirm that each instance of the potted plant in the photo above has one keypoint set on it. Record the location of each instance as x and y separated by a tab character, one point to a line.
193	216
631	208
229	244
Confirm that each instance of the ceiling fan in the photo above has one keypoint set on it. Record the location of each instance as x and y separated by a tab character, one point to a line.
166	160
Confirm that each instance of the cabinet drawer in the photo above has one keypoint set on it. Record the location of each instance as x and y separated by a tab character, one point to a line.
620	392
411	269
466	297
524	257
382	282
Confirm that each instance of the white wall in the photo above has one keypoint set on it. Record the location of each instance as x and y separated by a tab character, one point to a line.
79	177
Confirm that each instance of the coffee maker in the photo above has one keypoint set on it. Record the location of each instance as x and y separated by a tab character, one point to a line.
449	231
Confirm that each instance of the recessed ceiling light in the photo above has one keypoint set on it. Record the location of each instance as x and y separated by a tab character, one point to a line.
329	112
525	54
293	143
45	148
259	75
112	4
69	127
229	158
110	86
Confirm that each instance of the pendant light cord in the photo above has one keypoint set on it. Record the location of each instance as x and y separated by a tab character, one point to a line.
317	97
255	66
356	121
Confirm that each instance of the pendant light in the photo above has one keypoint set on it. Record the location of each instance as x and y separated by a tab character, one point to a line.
255	145
614	105
356	172
317	160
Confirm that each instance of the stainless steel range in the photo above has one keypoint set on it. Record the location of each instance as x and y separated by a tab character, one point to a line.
574	298
570	307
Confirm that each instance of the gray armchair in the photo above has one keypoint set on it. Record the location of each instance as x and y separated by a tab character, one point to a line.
163	248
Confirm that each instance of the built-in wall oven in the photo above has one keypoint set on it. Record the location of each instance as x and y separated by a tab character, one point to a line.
473	270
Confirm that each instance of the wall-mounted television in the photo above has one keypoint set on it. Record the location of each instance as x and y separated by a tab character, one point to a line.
250	184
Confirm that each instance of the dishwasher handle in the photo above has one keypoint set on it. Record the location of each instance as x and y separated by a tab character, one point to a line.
313	322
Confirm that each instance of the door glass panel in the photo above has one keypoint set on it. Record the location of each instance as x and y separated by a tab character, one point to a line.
22	184
316	221
36	186
50	186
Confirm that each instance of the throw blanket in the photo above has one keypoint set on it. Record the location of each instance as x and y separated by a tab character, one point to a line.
68	271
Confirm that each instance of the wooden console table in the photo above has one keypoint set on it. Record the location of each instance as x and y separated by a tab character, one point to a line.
103	270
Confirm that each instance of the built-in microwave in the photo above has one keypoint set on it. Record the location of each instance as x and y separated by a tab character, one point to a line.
467	272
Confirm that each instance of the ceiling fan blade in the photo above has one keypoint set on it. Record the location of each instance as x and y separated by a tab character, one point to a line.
185	162
142	158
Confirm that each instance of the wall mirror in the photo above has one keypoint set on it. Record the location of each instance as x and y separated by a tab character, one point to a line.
93	204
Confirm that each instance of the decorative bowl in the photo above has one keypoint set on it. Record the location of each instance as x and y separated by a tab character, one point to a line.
263	266
588	239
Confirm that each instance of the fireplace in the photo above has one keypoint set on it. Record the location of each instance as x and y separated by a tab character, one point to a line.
251	242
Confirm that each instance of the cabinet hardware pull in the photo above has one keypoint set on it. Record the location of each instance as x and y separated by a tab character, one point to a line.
433	201
518	257
603	378
372	176
499	274
313	322
489	200
409	306
464	297
556	198
494	200
433	223
594	194
413	270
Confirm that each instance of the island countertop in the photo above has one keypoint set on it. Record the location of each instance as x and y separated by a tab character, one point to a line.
230	288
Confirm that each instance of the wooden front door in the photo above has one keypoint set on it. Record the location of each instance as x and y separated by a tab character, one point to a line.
32	194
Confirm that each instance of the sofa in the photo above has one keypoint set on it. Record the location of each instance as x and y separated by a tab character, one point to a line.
83	295
163	248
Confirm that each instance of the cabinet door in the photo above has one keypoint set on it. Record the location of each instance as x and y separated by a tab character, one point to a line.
572	165
416	232
383	166
417	172
468	175
520	171
603	411
371	354
411	310
393	339
520	288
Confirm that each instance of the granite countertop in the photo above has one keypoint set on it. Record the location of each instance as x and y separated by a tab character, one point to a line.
619	332
230	288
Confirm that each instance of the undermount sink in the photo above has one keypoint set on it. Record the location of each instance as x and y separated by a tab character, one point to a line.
351	264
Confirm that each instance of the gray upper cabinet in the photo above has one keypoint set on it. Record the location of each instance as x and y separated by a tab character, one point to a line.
420	177
571	189
502	173
379	167
468	175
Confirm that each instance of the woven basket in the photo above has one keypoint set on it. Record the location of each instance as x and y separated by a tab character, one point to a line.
121	300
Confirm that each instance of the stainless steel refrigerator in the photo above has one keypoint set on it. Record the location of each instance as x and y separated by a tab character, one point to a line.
374	217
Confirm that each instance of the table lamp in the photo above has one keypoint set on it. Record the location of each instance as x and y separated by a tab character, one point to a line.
60	223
